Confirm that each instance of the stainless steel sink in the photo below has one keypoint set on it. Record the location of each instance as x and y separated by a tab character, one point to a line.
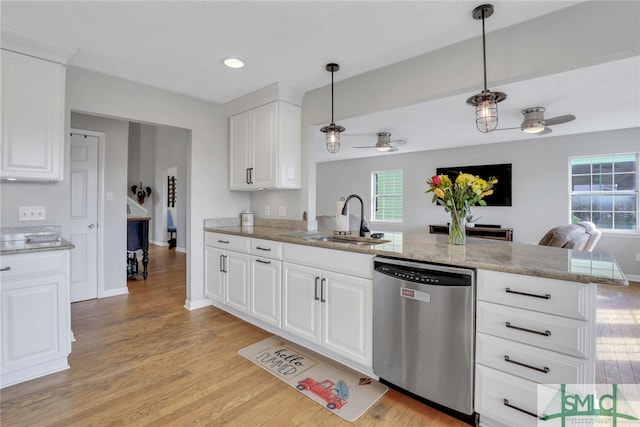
360	241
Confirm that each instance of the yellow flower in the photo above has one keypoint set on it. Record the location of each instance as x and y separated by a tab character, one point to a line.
438	192
465	179
487	193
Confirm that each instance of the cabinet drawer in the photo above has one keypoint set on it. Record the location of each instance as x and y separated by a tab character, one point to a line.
354	264
266	248
227	241
531	363
554	333
495	390
570	299
33	263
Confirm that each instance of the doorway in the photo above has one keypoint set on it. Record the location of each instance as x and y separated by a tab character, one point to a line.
85	158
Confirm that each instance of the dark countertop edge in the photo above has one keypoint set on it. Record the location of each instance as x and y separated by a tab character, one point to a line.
272	234
39	247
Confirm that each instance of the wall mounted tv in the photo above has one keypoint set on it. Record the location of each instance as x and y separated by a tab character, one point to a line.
501	191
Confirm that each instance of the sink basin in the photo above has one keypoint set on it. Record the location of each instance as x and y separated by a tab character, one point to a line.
361	241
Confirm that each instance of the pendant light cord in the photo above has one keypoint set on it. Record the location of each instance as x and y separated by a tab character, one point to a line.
332	122
484	53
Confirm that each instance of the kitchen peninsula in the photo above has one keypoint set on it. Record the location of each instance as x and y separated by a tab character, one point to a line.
534	306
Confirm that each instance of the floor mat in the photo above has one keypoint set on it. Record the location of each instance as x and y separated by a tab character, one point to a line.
347	393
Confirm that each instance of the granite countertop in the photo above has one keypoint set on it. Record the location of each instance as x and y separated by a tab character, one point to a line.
486	254
16	240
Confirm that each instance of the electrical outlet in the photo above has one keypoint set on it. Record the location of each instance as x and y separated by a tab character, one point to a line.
637	257
266	210
282	211
32	213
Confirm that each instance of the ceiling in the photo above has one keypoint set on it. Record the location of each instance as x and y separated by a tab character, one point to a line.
180	45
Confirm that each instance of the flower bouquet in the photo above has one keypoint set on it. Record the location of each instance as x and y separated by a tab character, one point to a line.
457	197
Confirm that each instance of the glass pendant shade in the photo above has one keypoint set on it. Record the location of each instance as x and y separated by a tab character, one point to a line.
333	137
487	114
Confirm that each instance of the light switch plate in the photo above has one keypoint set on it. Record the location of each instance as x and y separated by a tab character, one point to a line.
32	213
282	211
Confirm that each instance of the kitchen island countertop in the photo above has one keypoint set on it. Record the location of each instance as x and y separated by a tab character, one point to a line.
509	257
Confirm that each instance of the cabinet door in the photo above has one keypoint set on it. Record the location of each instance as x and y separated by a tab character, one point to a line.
35	325
238	268
240	151
301	301
32	118
266	286
214	277
289	145
264	122
347	316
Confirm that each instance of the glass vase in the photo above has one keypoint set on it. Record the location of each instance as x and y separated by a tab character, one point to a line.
457	229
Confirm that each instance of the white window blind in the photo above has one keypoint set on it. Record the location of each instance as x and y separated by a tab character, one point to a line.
386	191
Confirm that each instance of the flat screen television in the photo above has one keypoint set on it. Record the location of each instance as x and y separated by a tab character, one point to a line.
501	191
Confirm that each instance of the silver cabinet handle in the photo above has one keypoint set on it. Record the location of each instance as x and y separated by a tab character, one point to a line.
315	291
5	268
322	283
263	261
246	176
221	263
524	411
535	368
91	225
263	249
226	263
250	175
545	333
509	291
226	242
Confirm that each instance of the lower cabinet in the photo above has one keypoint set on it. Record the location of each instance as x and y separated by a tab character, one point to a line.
227	272
266	286
36	316
529	331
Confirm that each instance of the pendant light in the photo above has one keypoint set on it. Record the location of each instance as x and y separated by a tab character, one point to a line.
333	131
486	102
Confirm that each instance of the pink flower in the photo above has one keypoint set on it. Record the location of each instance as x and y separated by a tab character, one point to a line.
435	180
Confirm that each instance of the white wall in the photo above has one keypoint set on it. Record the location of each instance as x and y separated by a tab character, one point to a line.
171	149
540	185
207	194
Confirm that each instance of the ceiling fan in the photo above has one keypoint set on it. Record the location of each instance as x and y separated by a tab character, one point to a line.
535	123
385	143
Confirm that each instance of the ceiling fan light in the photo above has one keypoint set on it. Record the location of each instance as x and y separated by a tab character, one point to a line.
383	148
536	127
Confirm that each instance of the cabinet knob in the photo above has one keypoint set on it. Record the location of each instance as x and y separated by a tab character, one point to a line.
5	268
91	226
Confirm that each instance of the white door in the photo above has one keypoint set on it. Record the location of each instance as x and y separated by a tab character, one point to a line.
266	285
214	275
238	270
84	217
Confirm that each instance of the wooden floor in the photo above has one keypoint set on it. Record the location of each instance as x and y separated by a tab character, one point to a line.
144	360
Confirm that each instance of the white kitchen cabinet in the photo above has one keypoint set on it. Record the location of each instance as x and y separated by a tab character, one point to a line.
33	94
264	147
227	270
266	281
329	309
529	331
36	319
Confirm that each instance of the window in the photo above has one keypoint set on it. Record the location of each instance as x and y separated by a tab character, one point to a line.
604	190
386	190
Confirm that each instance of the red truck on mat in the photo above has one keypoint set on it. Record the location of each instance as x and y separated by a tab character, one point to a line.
326	390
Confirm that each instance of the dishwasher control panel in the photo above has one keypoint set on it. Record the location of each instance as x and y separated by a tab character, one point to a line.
424	273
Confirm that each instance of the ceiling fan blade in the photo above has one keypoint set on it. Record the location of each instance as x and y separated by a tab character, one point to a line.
546	131
366	146
398	142
559	120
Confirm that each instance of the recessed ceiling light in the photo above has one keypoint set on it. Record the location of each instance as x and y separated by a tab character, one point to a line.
233	63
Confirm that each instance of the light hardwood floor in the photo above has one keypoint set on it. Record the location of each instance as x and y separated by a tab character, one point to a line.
144	360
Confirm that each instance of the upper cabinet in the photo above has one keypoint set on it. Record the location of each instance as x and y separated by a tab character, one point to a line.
264	147
33	113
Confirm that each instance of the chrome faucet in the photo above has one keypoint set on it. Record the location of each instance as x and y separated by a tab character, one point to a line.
363	228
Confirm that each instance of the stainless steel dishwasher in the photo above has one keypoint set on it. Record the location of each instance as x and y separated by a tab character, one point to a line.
423	323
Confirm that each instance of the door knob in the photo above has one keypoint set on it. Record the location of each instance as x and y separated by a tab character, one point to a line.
91	225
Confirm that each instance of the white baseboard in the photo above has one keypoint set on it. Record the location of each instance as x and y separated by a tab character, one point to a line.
156	243
182	250
194	305
114	292
633	277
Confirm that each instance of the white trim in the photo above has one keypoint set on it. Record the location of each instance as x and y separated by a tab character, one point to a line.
194	305
114	292
633	277
156	243
29	45
101	159
181	250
